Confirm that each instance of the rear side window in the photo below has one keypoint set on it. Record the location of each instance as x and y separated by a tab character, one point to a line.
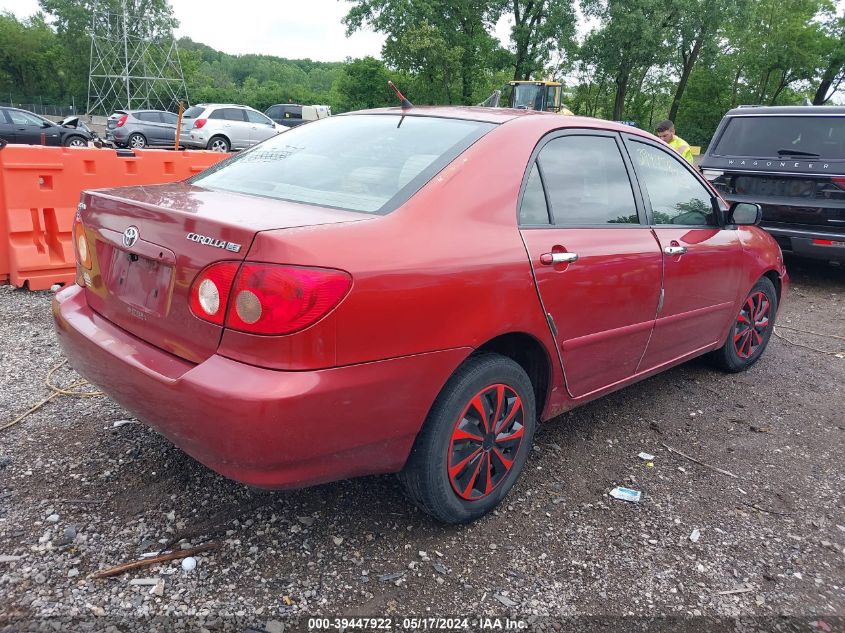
783	136
368	163
193	112
151	117
533	209
587	182
233	114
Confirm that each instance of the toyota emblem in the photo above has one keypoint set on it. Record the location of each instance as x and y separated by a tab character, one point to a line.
130	236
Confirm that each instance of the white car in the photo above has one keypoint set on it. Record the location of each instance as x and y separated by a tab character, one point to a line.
221	127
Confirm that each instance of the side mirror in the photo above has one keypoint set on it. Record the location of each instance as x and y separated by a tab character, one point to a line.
745	214
46	124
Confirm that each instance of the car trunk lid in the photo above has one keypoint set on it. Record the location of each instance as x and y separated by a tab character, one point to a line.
147	245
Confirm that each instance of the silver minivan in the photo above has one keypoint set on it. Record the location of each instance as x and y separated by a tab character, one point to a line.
221	127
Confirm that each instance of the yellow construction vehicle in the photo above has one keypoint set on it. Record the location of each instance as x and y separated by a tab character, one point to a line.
537	95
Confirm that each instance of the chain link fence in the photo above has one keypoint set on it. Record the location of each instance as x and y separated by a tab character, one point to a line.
44	109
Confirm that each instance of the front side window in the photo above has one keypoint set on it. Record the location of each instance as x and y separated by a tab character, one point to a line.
169	118
368	163
256	117
587	182
23	118
677	197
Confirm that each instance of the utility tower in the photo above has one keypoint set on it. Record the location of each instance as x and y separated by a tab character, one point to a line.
134	59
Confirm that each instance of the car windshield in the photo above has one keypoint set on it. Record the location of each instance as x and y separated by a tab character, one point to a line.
369	163
783	136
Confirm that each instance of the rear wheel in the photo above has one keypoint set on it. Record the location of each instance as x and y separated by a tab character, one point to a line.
751	330
218	144
137	141
475	441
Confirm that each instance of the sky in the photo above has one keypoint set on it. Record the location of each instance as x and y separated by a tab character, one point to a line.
295	29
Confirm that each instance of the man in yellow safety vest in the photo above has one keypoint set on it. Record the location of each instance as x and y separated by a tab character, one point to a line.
666	132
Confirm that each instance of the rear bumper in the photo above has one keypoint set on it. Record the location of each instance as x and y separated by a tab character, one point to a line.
813	244
262	427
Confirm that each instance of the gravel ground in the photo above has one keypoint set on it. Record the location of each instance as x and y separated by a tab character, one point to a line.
78	494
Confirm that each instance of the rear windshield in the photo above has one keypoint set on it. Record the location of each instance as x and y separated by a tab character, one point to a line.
369	163
777	136
193	112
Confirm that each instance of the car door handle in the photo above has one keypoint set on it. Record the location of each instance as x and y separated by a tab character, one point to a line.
675	250
549	259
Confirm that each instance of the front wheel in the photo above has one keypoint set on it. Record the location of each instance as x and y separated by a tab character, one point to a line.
475	440
751	330
75	141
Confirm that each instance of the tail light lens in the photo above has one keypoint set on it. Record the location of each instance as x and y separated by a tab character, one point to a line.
272	299
267	298
199	123
80	244
122	120
839	182
210	291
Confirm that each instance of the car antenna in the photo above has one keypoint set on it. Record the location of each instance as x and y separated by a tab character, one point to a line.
405	103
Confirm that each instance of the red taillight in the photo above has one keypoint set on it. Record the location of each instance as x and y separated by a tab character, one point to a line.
839	182
274	299
210	291
199	123
266	298
122	120
80	244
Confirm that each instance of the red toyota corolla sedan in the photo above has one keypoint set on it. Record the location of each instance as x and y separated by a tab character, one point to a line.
410	291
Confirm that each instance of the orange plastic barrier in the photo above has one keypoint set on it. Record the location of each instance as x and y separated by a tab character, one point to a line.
39	191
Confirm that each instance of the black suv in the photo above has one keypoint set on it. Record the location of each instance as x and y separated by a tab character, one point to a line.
791	161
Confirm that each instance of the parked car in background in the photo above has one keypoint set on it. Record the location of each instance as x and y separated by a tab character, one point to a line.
221	127
291	114
287	114
22	126
401	290
141	128
790	160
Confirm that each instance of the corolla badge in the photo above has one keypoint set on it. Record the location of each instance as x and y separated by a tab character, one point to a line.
213	241
130	236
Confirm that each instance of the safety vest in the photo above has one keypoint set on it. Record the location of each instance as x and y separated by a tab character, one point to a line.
682	147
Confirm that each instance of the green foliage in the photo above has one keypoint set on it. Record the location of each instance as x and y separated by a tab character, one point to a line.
643	59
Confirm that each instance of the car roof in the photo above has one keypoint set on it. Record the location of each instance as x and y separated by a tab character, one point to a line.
787	110
504	115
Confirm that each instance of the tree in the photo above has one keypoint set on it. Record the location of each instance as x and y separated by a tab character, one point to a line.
447	43
631	37
833	57
363	84
541	28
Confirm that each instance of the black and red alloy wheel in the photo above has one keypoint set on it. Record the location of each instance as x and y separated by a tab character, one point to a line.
751	325
485	441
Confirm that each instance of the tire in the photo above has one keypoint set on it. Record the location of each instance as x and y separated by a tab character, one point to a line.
218	144
751	330
136	141
75	141
466	493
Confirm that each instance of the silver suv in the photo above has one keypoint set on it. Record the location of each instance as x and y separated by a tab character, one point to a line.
221	127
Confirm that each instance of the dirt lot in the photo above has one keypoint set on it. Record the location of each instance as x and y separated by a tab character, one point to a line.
78	495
